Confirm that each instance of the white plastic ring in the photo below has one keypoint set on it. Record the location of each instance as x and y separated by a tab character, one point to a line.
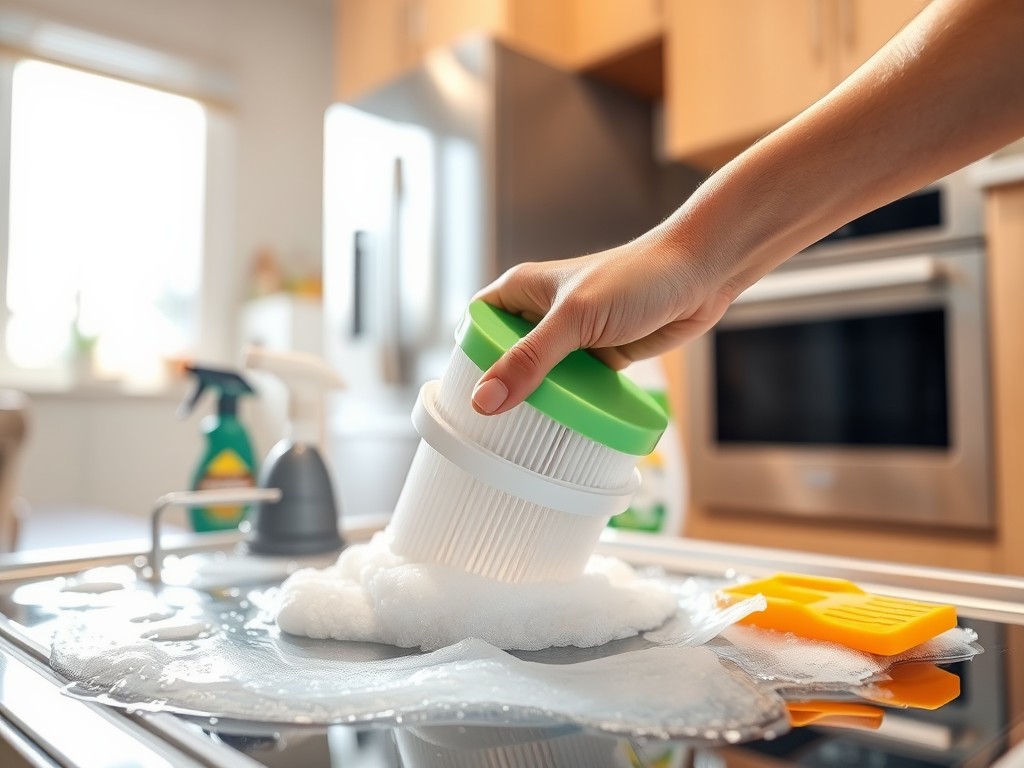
508	476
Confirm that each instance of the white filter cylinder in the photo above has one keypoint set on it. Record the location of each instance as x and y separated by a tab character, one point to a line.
447	515
573	751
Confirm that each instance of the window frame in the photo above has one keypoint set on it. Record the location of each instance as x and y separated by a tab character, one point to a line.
218	313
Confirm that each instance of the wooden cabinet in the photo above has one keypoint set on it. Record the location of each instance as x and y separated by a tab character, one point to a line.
864	26
447	20
373	40
606	29
736	70
377	40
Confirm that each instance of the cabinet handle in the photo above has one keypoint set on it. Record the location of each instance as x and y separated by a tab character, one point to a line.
391	341
360	277
846	22
816	27
843	278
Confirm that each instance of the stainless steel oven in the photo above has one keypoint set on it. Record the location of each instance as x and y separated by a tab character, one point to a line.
852	381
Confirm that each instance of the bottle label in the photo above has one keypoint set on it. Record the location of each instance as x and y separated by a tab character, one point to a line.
647	511
226	470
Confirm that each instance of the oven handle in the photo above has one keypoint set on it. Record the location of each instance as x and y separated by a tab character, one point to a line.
843	278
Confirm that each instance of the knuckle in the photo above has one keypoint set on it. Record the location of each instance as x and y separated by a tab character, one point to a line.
525	356
521	273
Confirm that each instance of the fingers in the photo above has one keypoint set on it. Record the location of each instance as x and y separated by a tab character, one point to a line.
521	370
526	289
666	338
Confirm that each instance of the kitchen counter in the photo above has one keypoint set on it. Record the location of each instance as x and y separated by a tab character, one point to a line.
46	728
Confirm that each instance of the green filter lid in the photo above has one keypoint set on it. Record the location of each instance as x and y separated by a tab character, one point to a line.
581	392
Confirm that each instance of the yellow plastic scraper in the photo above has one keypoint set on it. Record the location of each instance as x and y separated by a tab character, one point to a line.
841	612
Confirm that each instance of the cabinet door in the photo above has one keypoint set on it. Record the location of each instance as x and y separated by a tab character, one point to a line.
375	43
866	25
737	69
445	21
605	29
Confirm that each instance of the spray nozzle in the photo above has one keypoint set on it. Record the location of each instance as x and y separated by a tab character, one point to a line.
228	385
307	378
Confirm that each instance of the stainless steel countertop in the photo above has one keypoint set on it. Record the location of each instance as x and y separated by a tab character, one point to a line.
51	729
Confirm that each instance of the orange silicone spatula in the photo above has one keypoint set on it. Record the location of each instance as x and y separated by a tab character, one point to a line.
919	686
841	612
838	714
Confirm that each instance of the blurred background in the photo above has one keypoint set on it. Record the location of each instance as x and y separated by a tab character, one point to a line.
181	178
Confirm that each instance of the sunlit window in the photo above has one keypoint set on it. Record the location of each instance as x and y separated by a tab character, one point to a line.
106	221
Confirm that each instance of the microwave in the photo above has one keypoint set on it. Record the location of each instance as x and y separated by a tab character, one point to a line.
852	382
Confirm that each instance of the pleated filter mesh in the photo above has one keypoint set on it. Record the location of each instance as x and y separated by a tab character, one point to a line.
446	515
574	751
527	437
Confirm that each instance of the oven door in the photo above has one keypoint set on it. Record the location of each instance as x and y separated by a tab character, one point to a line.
855	390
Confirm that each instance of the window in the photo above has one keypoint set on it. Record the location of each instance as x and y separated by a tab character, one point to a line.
105	248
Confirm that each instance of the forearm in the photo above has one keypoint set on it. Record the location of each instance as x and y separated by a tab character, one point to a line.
945	91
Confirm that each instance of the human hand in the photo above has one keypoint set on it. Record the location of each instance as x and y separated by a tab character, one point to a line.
943	92
628	303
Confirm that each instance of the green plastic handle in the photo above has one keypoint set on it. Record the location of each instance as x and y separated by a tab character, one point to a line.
581	392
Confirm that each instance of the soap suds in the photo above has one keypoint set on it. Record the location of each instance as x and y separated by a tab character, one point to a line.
92	587
374	595
179	633
162	615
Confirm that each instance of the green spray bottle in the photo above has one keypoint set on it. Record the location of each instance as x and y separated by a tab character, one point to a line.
228	459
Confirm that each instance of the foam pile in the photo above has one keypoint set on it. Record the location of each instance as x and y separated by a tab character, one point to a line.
373	595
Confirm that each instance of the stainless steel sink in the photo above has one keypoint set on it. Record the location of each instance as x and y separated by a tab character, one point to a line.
48	728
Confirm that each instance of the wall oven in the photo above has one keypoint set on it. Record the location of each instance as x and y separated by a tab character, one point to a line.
852	381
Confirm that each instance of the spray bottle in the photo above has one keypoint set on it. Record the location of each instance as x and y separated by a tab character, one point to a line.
228	460
305	520
659	506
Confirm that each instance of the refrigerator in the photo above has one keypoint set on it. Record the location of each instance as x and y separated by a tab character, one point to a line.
434	185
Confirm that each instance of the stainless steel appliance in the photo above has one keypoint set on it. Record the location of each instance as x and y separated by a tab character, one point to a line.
852	381
435	184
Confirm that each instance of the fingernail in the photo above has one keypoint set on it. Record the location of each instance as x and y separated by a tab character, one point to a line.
489	396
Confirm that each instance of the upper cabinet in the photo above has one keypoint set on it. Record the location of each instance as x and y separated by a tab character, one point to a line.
864	26
604	30
729	71
736	70
380	39
376	40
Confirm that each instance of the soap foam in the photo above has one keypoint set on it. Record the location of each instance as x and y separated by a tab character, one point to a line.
192	631
373	595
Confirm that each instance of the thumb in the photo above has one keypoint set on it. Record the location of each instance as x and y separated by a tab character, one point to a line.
521	370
